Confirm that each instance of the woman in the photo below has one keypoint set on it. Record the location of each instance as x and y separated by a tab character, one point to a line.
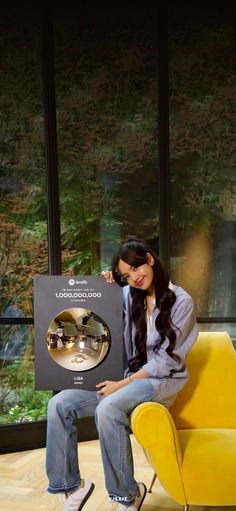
159	329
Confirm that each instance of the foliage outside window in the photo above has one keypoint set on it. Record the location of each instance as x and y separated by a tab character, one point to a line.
18	401
106	90
23	228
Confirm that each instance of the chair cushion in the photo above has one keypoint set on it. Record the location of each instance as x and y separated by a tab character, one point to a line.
209	466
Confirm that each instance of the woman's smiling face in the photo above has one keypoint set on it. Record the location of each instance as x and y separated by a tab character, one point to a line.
140	277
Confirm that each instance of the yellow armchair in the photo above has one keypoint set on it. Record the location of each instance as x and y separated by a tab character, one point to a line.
192	446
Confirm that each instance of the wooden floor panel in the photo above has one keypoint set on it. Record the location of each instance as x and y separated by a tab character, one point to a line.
23	482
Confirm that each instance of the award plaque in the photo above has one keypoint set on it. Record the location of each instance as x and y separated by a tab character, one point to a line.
78	332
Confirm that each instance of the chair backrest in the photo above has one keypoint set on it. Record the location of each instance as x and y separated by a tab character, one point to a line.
208	400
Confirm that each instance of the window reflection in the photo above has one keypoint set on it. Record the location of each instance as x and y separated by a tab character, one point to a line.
203	150
78	339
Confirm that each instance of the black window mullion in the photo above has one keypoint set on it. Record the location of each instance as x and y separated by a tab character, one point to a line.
53	207
163	111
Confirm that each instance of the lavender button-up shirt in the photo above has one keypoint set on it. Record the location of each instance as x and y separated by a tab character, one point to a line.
168	375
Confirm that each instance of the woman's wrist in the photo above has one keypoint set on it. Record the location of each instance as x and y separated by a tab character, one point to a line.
127	380
131	378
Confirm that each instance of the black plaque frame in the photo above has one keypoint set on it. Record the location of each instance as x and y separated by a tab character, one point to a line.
55	294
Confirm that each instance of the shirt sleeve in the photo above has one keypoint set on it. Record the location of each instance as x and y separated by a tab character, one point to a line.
184	324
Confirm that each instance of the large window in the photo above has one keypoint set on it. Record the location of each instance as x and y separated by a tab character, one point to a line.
23	225
106	63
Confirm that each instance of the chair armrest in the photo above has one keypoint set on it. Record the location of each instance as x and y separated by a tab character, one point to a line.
155	430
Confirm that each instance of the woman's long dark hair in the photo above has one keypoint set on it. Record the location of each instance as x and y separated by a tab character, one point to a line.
134	252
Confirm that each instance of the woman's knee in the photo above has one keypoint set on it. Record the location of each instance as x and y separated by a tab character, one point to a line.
57	403
108	414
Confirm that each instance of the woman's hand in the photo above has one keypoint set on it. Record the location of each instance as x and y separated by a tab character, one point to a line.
108	387
108	276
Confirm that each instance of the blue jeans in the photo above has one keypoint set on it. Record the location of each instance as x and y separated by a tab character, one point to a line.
112	421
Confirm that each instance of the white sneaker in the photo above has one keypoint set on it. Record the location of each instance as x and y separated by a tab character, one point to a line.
136	505
76	500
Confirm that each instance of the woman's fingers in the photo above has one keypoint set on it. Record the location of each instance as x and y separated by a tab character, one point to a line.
101	384
108	276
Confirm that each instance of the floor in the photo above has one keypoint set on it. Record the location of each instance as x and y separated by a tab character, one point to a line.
23	482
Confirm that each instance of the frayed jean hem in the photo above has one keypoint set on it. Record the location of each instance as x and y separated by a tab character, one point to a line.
62	489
